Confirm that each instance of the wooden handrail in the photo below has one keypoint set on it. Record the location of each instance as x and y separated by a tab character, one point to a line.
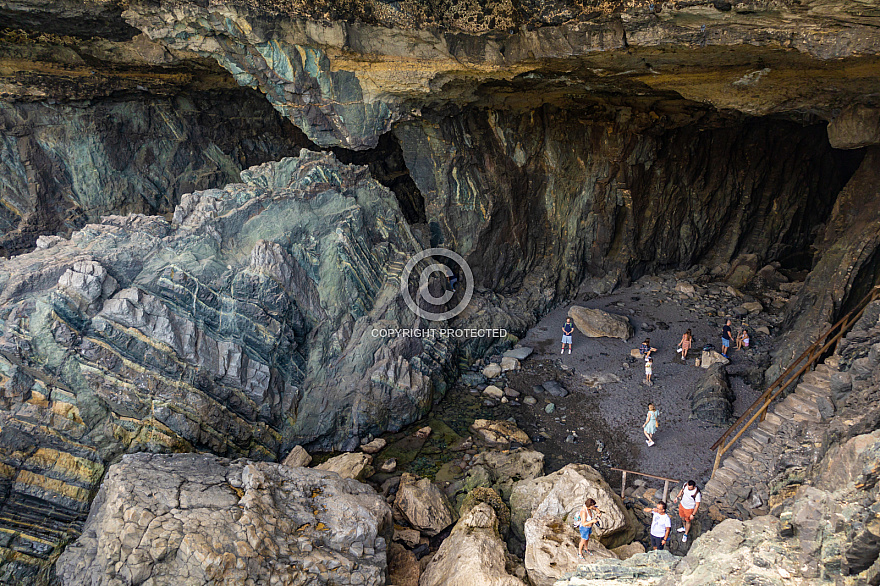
623	481
814	352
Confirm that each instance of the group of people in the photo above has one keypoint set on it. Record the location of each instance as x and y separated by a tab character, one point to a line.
688	499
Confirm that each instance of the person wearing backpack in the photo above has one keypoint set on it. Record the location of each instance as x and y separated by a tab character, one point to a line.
690	502
587	518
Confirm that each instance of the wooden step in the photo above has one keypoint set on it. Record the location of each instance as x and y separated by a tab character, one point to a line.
773	418
770	428
784	411
742	455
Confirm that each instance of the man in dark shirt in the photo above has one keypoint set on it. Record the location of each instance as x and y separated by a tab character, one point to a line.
726	335
567	331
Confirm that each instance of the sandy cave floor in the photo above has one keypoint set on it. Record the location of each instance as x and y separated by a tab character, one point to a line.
611	414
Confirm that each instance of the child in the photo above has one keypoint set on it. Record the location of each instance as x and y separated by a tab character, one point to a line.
649	370
687	341
650	427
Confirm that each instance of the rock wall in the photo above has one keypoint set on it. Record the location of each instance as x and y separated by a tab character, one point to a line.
67	164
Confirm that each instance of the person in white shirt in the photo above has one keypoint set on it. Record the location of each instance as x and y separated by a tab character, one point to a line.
661	525
690	503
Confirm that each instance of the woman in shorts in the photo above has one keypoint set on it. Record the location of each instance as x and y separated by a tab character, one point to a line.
589	516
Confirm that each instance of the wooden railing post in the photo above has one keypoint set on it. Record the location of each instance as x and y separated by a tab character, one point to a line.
623	485
665	490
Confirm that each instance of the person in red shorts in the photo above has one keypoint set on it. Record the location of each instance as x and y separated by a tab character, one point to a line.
690	502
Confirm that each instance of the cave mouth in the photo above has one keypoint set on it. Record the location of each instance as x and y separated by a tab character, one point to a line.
388	167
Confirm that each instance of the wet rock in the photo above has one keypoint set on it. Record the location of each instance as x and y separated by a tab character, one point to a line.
554	389
374	446
423	505
595	323
712	399
473	379
352	465
552	550
499	433
472	554
298	456
198	517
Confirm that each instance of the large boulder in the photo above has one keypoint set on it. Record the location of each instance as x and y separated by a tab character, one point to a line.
473	554
855	127
552	550
298	456
507	468
200	519
351	465
595	323
424	505
561	494
712	399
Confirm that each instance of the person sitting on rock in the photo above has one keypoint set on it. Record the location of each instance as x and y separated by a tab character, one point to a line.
645	349
588	516
742	340
690	501
687	340
661	524
567	331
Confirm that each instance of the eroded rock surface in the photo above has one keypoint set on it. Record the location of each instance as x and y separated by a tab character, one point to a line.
201	519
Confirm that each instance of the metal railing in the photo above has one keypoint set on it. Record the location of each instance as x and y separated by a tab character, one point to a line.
799	366
665	483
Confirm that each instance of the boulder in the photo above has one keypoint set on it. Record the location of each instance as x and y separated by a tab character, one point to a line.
351	465
200	519
642	569
298	456
388	466
561	495
552	549
595	323
423	505
712	399
753	307
499	433
472	554
493	391
403	567
410	537
507	468
472	379
624	552
374	447
520	353
685	288
711	357
492	370
509	363
742	270
763	330
855	127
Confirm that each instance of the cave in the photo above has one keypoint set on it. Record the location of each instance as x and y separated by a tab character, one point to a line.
239	238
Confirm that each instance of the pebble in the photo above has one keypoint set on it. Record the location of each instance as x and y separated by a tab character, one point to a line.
529	401
549	408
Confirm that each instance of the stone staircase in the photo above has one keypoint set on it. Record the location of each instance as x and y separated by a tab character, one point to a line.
741	482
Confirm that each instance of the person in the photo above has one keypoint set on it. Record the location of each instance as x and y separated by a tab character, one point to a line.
645	349
567	331
661	524
687	341
690	503
726	333
588	516
742	340
649	370
650	427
